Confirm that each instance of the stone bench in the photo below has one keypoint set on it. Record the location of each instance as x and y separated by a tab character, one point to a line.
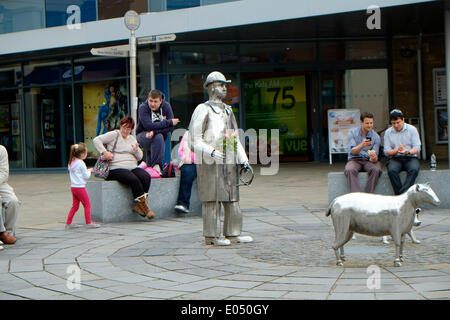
439	180
112	201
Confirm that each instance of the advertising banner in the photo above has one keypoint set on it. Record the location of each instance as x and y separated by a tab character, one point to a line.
340	122
104	104
279	103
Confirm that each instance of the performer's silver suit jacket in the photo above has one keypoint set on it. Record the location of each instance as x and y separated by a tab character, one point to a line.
208	123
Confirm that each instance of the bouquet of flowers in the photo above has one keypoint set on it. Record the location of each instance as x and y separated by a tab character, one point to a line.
230	143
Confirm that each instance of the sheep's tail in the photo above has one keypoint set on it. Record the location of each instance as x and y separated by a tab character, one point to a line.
329	208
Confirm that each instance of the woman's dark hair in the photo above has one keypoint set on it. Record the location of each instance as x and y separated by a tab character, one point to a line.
127	121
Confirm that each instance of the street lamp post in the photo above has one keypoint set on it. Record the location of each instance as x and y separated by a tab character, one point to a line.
132	22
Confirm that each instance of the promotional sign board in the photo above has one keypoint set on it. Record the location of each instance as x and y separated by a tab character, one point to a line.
279	103
340	122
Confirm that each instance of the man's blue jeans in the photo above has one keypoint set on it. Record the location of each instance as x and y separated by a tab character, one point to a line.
396	164
188	174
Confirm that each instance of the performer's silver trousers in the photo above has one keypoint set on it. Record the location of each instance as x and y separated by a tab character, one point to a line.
232	225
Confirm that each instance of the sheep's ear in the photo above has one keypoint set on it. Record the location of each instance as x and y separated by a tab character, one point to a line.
427	183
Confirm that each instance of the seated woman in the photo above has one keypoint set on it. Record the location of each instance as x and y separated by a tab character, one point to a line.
188	174
124	160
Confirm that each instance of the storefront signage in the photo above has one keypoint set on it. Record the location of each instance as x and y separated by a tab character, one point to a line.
279	103
340	122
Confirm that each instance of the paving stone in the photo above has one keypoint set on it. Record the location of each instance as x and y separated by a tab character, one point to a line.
397	296
97	294
351	296
161	294
436	294
35	293
262	294
305	295
5	296
304	280
214	293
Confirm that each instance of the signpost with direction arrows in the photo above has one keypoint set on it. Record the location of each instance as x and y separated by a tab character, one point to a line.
132	22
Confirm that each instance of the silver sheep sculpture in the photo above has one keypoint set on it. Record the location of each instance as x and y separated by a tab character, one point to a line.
377	215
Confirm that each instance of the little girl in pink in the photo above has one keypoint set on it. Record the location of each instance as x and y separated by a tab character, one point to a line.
79	174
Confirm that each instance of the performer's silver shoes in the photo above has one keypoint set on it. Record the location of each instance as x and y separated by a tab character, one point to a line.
244	239
217	241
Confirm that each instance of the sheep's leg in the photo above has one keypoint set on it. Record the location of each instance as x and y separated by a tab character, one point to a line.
396	236
347	239
413	237
401	247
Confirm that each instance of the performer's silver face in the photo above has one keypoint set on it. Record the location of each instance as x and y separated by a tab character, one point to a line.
220	89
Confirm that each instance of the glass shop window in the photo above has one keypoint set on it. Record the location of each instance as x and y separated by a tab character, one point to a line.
62	12
11	127
108	9
277	52
40	72
352	50
10	76
21	15
94	68
181	4
206	54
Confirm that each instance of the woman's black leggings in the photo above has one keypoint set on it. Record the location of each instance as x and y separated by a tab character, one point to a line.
137	179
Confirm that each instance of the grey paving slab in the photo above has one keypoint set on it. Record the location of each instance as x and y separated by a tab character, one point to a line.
214	293
262	294
5	296
128	289
295	287
35	293
97	294
351	296
436	294
304	280
26	265
229	283
431	286
160	294
396	296
305	295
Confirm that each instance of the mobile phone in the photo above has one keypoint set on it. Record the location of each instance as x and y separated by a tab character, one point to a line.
369	138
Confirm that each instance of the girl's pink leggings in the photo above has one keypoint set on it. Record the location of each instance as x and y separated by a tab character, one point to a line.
80	194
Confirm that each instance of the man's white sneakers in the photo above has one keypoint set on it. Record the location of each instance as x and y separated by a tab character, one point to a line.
181	208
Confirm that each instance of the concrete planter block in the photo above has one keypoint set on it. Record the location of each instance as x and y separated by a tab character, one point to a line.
112	201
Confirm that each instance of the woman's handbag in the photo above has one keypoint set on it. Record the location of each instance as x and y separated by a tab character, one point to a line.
101	167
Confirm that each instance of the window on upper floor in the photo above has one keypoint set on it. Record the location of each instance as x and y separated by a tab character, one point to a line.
62	12
21	15
108	9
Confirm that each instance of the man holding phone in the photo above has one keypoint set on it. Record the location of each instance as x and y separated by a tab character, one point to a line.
364	145
402	146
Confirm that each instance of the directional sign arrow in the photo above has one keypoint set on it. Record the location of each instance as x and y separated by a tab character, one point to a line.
156	39
114	51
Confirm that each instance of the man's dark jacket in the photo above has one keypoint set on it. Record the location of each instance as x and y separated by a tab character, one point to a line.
146	124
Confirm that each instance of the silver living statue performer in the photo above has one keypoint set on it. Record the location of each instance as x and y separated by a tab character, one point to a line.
217	174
